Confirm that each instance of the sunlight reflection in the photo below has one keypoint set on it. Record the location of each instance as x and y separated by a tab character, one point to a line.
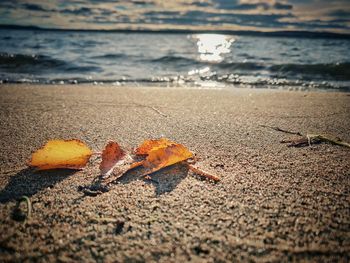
199	71
211	47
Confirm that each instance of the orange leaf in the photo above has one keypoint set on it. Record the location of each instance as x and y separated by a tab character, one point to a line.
166	156
150	145
110	156
68	154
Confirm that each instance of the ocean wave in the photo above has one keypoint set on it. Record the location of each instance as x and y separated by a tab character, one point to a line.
110	56
168	59
338	71
228	80
38	64
179	60
327	71
28	63
241	66
16	60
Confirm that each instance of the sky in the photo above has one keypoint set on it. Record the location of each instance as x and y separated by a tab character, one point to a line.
256	15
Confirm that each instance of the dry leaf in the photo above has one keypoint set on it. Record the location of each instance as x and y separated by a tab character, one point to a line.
110	156
163	152
150	145
68	154
124	165
166	156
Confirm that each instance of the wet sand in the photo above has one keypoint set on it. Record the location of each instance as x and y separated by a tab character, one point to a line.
273	203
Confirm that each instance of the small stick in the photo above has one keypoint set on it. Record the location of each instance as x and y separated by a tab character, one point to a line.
158	111
296	142
89	192
29	205
314	139
200	172
17	213
308	139
151	107
281	130
326	138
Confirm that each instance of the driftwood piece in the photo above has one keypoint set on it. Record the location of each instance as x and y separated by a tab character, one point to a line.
308	139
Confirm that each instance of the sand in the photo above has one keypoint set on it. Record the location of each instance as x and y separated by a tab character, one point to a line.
273	203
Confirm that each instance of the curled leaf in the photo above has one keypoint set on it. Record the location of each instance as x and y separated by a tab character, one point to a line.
124	165
110	156
67	154
166	156
150	145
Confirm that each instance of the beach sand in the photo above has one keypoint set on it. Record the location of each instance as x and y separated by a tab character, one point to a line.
273	203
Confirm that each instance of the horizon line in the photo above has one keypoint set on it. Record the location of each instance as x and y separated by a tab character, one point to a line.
277	33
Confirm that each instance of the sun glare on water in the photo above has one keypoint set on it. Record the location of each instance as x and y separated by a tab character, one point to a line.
212	47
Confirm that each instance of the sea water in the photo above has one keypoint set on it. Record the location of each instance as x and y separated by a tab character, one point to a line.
174	59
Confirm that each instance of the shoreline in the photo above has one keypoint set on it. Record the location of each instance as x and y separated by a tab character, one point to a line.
273	203
173	86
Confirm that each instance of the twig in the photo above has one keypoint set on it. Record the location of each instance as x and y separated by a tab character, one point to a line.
17	213
200	172
158	111
281	130
308	139
326	138
299	142
152	108
89	192
29	205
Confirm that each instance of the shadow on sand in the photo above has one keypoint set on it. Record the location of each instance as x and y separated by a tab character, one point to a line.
164	181
29	182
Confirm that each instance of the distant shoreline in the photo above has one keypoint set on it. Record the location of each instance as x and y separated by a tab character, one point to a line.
295	34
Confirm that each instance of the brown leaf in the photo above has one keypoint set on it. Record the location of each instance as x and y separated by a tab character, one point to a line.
68	154
124	165
110	156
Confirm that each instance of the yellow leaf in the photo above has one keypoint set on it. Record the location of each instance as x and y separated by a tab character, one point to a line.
68	154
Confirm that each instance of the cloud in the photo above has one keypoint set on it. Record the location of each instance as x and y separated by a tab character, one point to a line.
34	7
314	15
340	13
283	6
85	11
204	18
226	4
199	3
